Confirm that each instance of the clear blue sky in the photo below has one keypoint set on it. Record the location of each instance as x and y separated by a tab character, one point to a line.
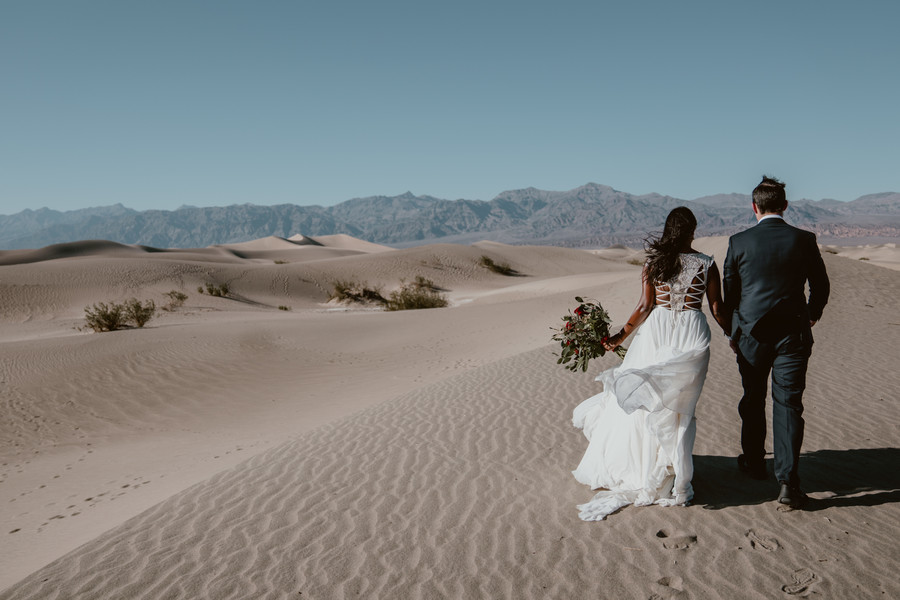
164	103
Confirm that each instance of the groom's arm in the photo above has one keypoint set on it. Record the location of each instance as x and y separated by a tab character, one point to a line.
819	286
731	284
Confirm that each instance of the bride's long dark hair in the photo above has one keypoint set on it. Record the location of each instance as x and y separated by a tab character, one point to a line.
663	252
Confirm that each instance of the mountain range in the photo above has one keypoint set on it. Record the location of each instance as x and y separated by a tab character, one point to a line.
592	215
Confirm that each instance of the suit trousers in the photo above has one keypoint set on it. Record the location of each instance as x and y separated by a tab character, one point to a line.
787	363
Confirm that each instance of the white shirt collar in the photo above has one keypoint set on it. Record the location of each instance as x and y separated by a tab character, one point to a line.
770	217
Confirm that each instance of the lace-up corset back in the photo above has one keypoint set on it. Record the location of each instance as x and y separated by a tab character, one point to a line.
685	291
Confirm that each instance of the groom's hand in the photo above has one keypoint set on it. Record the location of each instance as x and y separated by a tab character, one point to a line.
733	345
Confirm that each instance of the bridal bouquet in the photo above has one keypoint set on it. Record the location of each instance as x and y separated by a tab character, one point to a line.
582	334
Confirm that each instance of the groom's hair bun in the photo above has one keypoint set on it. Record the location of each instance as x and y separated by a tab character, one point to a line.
769	196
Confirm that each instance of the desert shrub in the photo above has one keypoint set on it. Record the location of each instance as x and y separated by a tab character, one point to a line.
105	317
638	262
421	283
176	299
420	293
412	297
138	312
352	291
343	290
502	268
283	307
176	296
110	317
219	291
199	289
863	258
830	250
281	262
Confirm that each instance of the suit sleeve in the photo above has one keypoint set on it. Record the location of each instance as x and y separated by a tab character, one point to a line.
731	283
819	286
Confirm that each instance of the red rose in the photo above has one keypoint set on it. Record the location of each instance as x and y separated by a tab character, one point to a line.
604	340
579	311
568	324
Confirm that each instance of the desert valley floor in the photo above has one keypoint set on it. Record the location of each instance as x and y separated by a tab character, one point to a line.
235	449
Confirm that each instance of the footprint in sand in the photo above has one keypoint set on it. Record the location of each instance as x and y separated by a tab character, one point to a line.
758	542
803	578
676	583
677	542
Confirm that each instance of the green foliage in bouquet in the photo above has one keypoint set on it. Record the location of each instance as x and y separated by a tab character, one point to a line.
582	334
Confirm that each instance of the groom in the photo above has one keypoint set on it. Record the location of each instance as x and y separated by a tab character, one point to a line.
765	272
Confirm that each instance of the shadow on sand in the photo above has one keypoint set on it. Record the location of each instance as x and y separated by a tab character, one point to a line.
834	478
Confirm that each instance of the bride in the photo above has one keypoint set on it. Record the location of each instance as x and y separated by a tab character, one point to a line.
641	428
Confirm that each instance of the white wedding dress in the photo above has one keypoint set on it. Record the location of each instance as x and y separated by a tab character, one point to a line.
641	428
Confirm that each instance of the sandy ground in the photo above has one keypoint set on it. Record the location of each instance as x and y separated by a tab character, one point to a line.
230	449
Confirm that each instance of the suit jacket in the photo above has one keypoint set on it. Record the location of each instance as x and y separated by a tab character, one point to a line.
766	271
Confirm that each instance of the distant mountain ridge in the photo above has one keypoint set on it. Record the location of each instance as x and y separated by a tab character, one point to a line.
588	216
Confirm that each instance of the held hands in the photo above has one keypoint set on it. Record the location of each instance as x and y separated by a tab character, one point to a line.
731	343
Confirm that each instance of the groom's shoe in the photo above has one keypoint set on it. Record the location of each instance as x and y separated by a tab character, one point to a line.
756	471
792	496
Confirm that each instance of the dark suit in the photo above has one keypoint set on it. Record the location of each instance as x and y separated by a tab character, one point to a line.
765	273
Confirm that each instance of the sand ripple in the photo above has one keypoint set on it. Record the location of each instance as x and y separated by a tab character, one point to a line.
462	490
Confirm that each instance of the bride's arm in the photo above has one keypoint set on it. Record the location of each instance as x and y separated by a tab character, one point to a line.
714	298
641	311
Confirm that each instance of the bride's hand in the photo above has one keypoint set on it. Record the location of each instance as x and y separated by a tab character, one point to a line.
612	342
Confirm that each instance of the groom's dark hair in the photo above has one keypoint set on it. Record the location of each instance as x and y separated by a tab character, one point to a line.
769	196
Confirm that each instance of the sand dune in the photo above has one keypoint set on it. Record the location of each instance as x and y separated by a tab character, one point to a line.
883	255
340	240
70	250
234	450
273	242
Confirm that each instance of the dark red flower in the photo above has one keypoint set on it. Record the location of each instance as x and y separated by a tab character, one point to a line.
579	311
